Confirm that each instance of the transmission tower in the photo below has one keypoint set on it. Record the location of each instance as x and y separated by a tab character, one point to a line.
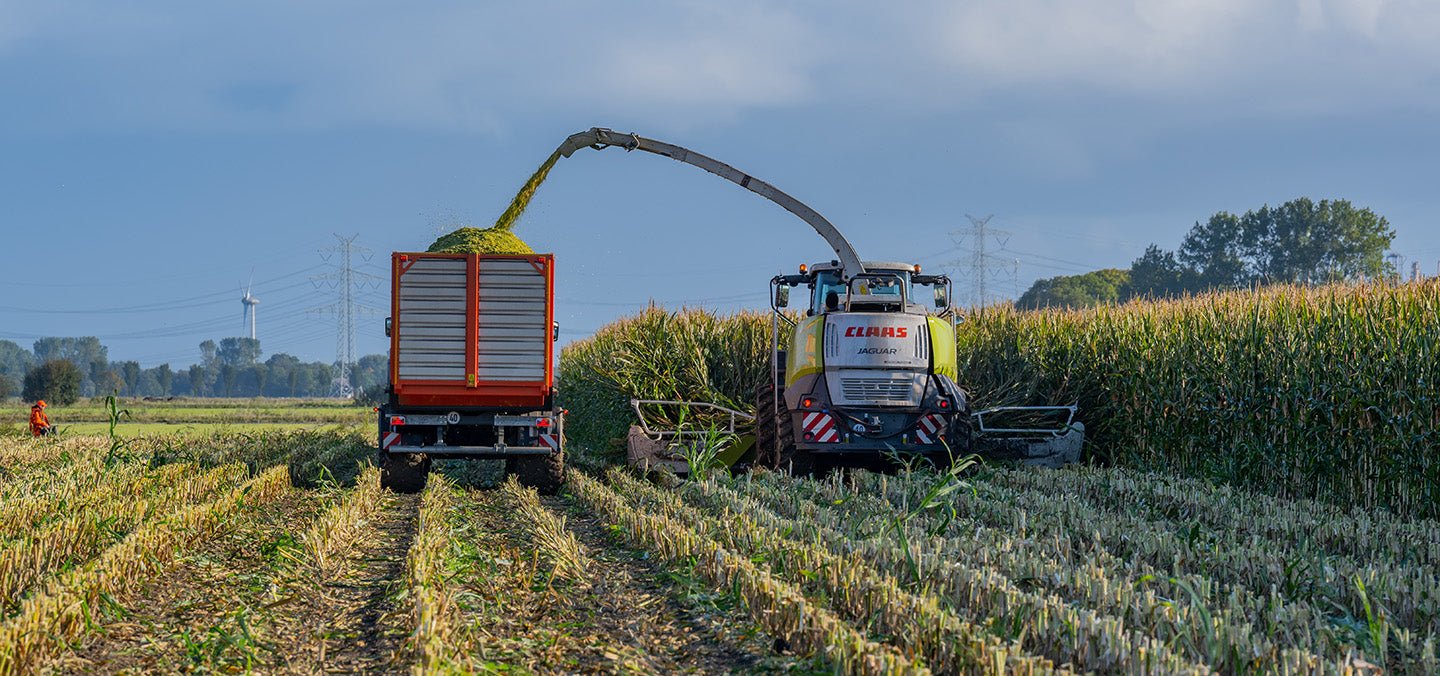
985	264
345	279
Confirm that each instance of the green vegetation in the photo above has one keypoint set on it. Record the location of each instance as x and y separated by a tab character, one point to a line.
690	355
1321	392
475	240
1101	287
57	381
1300	241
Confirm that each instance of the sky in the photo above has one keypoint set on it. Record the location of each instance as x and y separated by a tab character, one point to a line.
157	156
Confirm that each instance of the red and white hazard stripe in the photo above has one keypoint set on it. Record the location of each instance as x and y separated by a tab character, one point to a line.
820	427
390	439
550	441
929	428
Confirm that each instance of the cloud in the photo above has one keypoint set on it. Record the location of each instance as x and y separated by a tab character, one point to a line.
462	66
1267	53
450	66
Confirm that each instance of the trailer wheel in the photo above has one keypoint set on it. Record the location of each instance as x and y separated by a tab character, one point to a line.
544	473
404	472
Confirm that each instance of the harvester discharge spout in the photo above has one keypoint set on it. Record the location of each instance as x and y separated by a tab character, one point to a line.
600	138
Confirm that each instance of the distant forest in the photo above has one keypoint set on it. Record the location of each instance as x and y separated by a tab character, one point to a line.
230	368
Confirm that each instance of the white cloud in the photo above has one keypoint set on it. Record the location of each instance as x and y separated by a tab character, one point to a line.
1267	55
464	66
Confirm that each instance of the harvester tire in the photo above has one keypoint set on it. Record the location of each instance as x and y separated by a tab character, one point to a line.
404	472
775	435
765	455
544	473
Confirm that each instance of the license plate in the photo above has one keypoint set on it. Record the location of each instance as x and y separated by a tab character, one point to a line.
515	421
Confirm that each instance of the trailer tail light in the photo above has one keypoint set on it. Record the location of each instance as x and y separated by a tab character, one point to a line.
542	422
397	420
944	403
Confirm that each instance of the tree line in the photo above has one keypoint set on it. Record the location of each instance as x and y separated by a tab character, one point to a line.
1299	242
64	369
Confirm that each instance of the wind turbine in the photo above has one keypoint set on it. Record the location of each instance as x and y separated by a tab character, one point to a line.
248	303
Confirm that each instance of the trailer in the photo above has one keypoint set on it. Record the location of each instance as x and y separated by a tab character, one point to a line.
472	351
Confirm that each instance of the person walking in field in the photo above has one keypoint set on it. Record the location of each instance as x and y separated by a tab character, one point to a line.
39	422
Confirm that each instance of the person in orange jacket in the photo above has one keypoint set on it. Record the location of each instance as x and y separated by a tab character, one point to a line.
39	422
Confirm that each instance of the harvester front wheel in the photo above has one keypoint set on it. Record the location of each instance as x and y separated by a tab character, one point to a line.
775	435
544	473
404	472
765	455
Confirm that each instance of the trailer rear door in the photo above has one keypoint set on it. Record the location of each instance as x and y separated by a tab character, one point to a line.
472	330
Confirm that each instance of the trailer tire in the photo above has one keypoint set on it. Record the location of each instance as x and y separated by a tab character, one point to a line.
544	473
404	472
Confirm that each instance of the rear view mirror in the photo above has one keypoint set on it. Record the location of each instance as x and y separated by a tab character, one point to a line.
942	299
389	325
782	296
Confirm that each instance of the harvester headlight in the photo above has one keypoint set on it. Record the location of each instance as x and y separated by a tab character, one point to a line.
858	427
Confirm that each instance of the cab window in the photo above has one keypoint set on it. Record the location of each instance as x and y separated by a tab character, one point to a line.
827	282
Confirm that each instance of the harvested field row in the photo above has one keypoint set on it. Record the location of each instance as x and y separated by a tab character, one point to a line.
171	560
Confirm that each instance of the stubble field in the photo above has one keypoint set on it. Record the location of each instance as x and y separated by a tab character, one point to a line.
278	552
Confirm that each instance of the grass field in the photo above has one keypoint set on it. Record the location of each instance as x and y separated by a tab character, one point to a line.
209	411
189	417
278	552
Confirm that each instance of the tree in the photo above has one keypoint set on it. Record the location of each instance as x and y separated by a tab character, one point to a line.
371	372
131	371
238	352
1158	274
1075	291
260	372
228	373
1302	241
197	379
1298	242
57	381
85	352
14	362
165	377
110	382
1215	253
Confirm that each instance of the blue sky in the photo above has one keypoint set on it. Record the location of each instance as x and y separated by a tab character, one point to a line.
153	154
